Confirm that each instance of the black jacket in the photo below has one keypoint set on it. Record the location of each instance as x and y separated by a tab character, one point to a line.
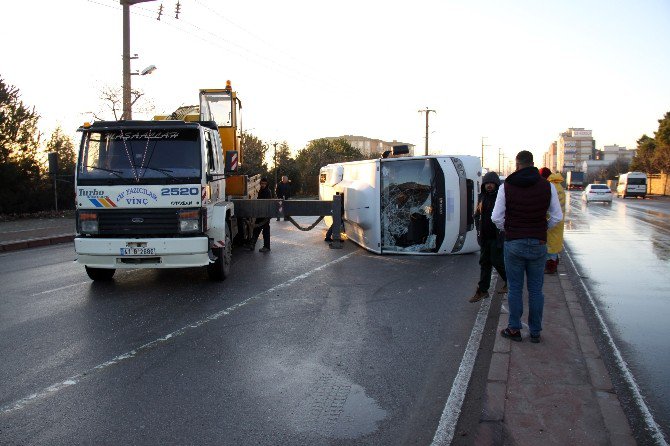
284	190
264	193
486	229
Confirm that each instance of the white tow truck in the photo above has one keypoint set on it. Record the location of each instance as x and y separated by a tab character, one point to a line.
165	193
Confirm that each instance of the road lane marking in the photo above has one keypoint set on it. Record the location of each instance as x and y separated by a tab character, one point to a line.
452	409
621	364
73	380
61	288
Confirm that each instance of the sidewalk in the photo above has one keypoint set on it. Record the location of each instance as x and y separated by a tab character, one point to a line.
33	232
557	392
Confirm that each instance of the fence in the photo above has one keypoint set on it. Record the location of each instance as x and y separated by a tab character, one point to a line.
658	184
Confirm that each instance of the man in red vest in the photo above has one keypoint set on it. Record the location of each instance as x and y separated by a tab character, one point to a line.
521	210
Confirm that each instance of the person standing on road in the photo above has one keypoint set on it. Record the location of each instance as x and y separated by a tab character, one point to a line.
521	211
284	190
264	224
490	238
555	234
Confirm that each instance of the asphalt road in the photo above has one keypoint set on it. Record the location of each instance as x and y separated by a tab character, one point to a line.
305	345
622	255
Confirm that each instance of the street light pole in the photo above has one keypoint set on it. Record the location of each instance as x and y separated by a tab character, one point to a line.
275	144
483	145
127	106
427	112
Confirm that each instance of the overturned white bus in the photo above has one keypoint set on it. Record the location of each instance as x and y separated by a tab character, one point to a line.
407	205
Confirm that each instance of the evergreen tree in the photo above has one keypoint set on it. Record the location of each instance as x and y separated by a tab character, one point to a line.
63	146
19	142
286	165
662	138
317	154
643	160
253	151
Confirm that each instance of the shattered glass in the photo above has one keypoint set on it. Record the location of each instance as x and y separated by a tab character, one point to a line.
406	206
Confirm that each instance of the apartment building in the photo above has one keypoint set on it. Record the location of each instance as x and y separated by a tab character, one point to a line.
549	159
614	152
371	146
574	146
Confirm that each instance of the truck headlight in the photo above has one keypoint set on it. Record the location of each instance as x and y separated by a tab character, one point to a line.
189	221
88	222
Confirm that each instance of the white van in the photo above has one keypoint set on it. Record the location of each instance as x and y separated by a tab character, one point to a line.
408	205
632	184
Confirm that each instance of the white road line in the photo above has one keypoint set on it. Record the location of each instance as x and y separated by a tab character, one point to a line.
621	364
73	380
61	288
452	409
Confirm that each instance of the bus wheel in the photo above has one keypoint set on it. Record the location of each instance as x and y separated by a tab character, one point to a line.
100	274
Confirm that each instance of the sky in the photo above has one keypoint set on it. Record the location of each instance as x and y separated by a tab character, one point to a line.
516	73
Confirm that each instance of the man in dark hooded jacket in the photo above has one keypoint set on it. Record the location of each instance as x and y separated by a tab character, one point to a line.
489	237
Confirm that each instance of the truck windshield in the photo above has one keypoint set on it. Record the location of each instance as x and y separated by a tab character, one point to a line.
140	157
410	193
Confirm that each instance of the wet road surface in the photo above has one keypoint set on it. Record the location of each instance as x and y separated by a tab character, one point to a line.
622	252
305	345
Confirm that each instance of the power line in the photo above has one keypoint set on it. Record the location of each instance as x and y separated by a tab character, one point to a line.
260	39
259	59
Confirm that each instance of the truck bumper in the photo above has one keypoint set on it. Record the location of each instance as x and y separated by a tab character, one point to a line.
164	252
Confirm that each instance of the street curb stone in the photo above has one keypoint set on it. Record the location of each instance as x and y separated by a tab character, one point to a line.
35	243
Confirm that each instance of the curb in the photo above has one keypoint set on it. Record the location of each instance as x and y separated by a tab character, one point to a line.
35	242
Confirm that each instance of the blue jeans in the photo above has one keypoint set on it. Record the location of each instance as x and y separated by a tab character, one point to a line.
527	257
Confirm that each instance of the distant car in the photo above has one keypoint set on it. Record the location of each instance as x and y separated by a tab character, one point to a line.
597	192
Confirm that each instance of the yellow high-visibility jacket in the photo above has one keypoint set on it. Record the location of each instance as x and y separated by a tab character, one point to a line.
555	234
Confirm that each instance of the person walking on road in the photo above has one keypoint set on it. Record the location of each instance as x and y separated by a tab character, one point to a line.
264	224
521	211
490	238
555	234
284	190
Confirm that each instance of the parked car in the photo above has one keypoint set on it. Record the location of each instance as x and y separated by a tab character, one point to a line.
597	192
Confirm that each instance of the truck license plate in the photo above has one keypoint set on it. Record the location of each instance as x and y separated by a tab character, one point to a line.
138	251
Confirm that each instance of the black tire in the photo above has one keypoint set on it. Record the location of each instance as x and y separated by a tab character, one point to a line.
220	269
100	274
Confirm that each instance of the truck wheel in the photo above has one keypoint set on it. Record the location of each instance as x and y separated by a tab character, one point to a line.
100	274
220	269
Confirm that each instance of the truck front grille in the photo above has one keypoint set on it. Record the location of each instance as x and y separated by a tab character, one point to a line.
139	222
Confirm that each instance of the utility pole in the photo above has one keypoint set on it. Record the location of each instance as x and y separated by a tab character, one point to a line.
483	145
499	156
127	106
427	112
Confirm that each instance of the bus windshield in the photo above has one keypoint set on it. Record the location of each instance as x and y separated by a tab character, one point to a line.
410	193
140	157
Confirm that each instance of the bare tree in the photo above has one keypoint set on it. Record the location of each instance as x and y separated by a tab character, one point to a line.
111	101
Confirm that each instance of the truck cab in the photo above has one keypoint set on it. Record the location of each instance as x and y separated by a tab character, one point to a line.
150	194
